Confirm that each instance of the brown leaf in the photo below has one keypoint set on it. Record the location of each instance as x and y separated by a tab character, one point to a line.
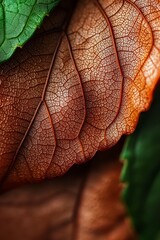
84	204
77	86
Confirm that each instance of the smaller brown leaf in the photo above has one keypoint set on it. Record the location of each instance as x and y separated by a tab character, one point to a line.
84	204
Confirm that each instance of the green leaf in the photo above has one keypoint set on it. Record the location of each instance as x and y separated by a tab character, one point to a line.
141	173
18	21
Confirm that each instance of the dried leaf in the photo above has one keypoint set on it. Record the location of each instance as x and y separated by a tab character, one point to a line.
77	86
83	204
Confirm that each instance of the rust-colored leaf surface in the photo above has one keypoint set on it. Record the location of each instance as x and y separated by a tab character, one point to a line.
84	204
77	86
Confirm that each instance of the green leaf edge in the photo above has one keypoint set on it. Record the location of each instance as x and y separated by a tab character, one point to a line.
20	44
127	158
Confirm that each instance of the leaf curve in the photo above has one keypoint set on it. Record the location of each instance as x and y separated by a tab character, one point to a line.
77	86
82	204
18	21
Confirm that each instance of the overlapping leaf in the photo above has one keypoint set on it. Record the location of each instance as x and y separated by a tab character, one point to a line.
142	173
77	86
83	204
18	21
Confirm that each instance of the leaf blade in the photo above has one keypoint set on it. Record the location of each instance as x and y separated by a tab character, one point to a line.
63	95
19	21
141	173
67	205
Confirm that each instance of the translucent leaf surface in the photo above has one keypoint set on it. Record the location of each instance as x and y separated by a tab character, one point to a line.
77	86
